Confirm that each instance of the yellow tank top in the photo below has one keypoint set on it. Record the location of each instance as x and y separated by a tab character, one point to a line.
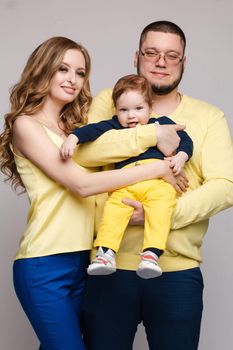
58	220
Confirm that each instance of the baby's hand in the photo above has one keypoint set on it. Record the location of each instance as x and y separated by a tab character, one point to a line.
177	162
68	147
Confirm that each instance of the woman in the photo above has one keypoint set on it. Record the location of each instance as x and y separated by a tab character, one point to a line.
51	98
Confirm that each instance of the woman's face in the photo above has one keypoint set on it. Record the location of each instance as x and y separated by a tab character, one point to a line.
68	81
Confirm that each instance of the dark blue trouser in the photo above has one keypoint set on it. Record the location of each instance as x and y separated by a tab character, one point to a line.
50	291
169	306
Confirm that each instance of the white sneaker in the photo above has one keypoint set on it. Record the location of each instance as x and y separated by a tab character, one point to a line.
149	267
103	264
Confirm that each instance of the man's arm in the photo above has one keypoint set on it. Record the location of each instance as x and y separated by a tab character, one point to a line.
216	191
117	145
186	143
202	203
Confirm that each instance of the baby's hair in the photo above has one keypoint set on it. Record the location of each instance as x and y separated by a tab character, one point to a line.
132	82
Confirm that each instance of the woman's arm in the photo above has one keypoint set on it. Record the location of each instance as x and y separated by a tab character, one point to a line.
31	141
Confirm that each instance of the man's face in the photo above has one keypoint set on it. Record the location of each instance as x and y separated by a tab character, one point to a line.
163	74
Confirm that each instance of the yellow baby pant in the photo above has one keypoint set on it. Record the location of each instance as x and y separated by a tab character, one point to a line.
158	199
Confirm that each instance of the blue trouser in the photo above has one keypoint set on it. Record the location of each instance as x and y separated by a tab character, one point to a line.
169	306
50	290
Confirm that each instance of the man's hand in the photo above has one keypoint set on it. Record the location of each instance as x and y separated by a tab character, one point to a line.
167	138
138	217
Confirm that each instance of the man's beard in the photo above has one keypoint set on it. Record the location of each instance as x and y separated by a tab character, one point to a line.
166	89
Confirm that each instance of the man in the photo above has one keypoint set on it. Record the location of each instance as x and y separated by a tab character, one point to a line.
169	306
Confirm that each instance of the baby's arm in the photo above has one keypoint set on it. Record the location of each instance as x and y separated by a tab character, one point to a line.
184	153
68	146
87	133
177	162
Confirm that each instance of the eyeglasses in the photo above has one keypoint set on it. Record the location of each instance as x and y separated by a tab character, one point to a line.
170	57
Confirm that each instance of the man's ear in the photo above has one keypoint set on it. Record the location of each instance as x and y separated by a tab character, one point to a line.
136	59
184	62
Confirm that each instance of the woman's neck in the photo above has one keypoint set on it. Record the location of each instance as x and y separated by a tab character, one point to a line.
50	116
51	112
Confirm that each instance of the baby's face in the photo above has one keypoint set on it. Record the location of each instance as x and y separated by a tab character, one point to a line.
132	109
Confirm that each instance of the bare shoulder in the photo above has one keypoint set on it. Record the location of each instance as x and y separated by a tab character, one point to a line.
25	124
28	134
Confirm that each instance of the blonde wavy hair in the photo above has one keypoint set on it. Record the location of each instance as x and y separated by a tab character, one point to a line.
29	94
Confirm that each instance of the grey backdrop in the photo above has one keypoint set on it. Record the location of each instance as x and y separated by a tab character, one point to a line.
110	30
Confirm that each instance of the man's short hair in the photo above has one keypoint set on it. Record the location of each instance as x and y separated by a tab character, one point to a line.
164	27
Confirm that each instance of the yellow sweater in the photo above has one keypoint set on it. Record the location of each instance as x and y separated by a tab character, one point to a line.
58	221
210	174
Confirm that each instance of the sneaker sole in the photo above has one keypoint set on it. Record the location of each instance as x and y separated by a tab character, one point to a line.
147	273
100	270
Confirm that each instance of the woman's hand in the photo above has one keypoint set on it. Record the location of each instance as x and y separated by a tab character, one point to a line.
179	182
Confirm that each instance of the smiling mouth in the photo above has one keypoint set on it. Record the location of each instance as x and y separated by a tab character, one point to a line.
160	74
68	89
132	124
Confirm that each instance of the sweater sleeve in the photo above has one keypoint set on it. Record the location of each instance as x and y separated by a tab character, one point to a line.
114	145
186	143
92	131
216	191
